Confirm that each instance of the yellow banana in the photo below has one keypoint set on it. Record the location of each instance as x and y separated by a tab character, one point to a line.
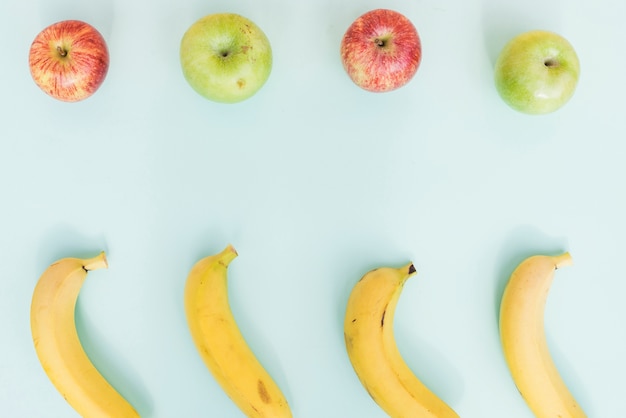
524	342
58	346
371	347
221	344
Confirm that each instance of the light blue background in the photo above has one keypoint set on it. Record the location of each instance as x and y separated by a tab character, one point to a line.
315	181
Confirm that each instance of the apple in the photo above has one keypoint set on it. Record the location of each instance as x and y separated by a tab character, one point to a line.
69	60
381	50
225	57
537	72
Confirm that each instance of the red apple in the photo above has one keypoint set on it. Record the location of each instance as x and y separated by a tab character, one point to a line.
381	50
69	60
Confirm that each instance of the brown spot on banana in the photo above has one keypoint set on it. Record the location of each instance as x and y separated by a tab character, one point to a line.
263	393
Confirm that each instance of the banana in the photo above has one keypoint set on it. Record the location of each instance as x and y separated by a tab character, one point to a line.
371	347
524	342
221	344
58	346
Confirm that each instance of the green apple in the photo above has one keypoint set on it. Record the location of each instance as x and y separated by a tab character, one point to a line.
225	57
537	72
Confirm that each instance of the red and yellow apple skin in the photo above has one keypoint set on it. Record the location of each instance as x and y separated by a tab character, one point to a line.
69	60
381	50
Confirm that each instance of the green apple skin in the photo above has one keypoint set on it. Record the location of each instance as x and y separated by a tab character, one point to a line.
225	57
537	72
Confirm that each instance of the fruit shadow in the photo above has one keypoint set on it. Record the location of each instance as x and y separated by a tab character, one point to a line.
501	21
98	14
433	369
118	372
64	241
572	380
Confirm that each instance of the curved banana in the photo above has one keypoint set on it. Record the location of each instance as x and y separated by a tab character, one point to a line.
370	343
524	342
58	346
221	344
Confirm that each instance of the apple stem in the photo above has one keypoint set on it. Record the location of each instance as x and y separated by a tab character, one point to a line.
379	42
62	52
551	63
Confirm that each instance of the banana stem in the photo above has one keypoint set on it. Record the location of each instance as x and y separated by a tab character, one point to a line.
95	263
227	255
562	260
